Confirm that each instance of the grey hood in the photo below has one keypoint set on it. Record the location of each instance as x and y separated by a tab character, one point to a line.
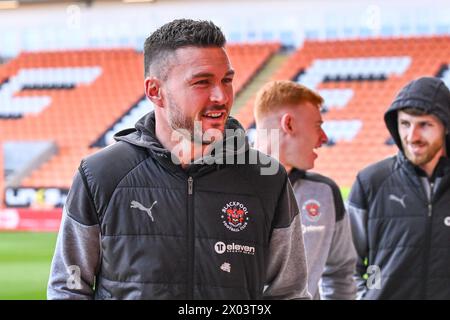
427	93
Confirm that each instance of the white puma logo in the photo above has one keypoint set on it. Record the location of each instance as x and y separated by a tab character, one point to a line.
135	204
399	200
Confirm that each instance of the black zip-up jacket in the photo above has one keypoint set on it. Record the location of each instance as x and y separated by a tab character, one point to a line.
138	226
400	218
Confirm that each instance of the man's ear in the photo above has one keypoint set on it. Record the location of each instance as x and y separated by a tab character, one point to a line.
153	91
286	123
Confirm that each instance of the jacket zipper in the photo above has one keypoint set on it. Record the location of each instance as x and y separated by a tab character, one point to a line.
428	239
190	238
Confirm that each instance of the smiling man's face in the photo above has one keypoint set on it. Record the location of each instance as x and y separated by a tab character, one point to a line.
423	137
199	88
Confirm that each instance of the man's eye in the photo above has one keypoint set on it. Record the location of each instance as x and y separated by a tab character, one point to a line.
228	80
201	82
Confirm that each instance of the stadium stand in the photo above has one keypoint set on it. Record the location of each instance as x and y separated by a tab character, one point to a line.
76	100
359	79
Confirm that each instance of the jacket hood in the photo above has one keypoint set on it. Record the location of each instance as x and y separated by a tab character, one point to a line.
143	135
427	93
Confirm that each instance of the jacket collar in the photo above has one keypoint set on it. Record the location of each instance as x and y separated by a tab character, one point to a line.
295	175
442	168
143	135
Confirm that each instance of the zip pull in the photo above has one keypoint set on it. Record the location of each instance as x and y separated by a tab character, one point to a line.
190	185
430	204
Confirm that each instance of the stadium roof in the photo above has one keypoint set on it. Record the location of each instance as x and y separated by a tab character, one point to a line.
11	4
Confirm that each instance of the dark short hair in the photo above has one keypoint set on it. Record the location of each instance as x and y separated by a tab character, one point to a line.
177	34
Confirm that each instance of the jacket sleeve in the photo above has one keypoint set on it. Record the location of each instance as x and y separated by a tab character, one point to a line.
77	255
337	279
286	273
358	212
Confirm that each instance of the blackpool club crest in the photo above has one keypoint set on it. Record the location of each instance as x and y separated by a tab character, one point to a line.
235	216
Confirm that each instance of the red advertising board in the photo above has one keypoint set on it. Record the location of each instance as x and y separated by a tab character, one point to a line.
14	219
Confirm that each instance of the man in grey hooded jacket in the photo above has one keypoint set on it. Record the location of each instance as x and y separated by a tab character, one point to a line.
400	206
294	110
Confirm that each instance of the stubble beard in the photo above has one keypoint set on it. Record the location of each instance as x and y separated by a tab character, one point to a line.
420	160
190	129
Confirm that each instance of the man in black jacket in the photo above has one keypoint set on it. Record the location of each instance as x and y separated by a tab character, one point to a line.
400	207
178	207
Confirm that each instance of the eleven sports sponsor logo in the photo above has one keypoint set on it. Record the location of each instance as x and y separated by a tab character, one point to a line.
221	247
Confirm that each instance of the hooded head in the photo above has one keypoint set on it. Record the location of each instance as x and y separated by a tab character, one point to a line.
427	94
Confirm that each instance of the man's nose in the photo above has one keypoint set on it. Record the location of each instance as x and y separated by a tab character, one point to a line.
413	134
219	95
323	137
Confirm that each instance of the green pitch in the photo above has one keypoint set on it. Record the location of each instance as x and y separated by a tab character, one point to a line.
345	191
25	264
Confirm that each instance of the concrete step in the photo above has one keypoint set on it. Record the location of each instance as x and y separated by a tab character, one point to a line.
264	75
